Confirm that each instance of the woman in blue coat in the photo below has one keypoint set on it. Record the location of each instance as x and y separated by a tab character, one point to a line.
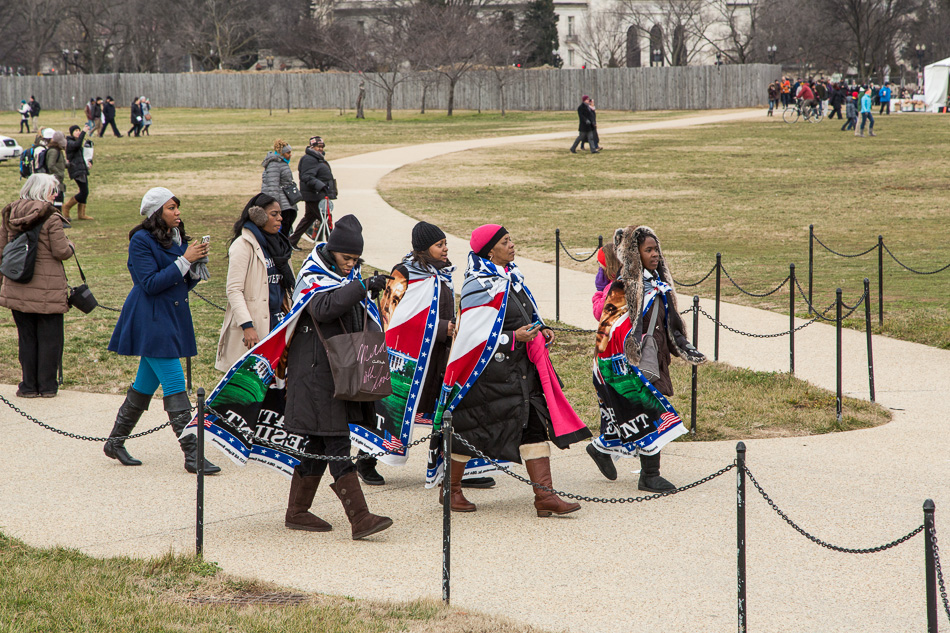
155	323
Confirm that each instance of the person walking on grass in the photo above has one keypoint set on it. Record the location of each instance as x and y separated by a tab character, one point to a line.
78	170
56	165
276	176
155	323
585	126
851	113
773	91
24	111
316	184
146	115
135	116
38	305
866	115
108	118
884	97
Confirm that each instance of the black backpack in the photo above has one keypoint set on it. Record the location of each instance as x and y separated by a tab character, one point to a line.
19	256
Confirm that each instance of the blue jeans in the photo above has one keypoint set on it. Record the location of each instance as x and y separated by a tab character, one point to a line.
155	371
865	117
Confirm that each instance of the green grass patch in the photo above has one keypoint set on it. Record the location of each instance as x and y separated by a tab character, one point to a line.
732	403
747	189
61	589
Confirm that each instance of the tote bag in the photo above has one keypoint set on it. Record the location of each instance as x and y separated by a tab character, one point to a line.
359	362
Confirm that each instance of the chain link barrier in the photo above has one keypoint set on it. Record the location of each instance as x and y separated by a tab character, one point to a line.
86	438
577	330
569	254
916	272
571	495
834	252
207	300
750	334
755	294
941	585
822	314
302	455
686	285
818	541
104	307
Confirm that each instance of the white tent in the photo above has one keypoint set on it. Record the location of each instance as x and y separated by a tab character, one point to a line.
936	79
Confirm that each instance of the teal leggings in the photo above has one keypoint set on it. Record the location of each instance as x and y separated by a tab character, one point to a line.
155	371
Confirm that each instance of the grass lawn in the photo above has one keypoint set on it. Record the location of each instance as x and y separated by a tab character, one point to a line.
748	190
62	589
211	159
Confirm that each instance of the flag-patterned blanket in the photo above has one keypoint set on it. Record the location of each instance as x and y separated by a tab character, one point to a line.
250	398
634	416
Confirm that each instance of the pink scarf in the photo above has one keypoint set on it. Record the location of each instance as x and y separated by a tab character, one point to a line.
563	417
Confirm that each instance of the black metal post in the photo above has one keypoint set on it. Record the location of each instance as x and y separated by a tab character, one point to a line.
930	566
867	328
600	242
811	263
838	353
718	296
188	374
557	275
740	534
446	504
695	369
791	319
200	510
880	280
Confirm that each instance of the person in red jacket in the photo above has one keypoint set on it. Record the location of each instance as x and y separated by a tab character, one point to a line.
806	95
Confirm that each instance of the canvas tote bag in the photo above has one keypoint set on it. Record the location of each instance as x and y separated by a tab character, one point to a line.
359	362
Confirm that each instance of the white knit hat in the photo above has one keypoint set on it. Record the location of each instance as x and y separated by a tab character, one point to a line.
154	199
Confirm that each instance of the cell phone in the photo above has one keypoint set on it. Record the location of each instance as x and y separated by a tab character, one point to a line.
535	325
205	239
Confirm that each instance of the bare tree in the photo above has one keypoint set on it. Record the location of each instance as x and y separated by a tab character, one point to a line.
677	28
98	29
602	39
733	30
299	28
503	52
35	26
218	33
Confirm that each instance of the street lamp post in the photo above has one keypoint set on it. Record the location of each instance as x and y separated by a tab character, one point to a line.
718	58
66	60
657	58
771	50
921	50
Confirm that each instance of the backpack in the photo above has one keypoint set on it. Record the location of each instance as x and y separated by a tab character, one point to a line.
19	256
39	160
26	163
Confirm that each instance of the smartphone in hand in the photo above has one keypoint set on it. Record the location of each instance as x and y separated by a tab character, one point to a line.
205	239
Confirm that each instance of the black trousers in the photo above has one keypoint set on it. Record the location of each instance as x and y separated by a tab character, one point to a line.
586	137
83	194
109	122
25	122
287	217
326	445
835	110
136	127
310	214
40	338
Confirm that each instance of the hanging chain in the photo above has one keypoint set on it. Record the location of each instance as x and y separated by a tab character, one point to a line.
916	272
575	258
184	417
815	539
207	300
827	248
749	334
570	495
686	285
943	587
755	294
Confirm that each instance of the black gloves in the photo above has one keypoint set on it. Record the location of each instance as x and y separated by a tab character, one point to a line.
692	355
376	283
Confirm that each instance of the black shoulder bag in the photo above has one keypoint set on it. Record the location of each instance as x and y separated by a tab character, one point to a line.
80	297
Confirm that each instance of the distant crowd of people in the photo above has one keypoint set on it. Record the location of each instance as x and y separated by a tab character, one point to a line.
100	115
827	97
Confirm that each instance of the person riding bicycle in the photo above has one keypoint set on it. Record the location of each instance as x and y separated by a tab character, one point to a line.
805	96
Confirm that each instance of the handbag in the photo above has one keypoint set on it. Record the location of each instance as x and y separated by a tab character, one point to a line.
649	354
80	297
359	362
292	192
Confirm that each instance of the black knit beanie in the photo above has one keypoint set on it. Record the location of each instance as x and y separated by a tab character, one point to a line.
346	236
425	235
73	128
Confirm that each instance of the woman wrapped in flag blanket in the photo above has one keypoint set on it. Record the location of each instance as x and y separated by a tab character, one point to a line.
418	300
332	274
499	383
636	418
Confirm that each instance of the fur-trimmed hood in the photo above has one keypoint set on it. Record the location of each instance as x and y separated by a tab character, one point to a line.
626	242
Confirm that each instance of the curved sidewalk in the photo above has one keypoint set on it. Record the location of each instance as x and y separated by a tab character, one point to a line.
666	565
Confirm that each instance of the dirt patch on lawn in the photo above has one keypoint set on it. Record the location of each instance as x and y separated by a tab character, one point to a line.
191	183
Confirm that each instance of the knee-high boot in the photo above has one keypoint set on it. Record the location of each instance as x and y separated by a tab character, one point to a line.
125	420
650	479
537	459
298	515
82	212
66	207
362	522
458	500
176	405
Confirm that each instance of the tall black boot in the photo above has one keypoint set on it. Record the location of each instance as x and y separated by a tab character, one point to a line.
650	479
176	405
366	469
125	420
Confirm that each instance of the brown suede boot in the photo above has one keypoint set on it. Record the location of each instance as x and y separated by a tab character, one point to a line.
67	206
362	521
298	517
82	212
459	502
539	471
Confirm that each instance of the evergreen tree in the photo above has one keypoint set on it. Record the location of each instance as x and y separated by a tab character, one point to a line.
539	33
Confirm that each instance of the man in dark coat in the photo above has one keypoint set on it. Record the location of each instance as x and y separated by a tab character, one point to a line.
316	184
585	127
108	111
836	100
97	117
312	410
135	118
34	109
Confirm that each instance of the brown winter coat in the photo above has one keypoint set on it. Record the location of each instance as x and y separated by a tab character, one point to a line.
46	293
56	165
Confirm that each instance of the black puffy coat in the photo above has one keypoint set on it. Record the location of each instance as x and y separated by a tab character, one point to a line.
135	114
585	119
75	163
494	413
316	178
311	407
108	111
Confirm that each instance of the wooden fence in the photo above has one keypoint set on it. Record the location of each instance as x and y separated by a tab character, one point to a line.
668	88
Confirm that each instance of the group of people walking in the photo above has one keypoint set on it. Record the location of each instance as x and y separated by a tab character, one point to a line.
826	96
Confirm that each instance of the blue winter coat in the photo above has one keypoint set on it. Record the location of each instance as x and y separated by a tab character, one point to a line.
156	317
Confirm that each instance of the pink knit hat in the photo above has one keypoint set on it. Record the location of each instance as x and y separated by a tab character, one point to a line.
485	237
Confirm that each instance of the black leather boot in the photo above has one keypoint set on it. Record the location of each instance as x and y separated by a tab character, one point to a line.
366	469
125	420
176	405
650	479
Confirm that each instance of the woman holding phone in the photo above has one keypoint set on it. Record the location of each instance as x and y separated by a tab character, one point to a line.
155	323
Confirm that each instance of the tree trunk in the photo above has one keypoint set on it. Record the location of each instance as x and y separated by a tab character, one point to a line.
425	89
389	104
451	96
359	101
501	93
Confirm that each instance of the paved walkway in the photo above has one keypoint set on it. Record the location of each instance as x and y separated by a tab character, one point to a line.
667	565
